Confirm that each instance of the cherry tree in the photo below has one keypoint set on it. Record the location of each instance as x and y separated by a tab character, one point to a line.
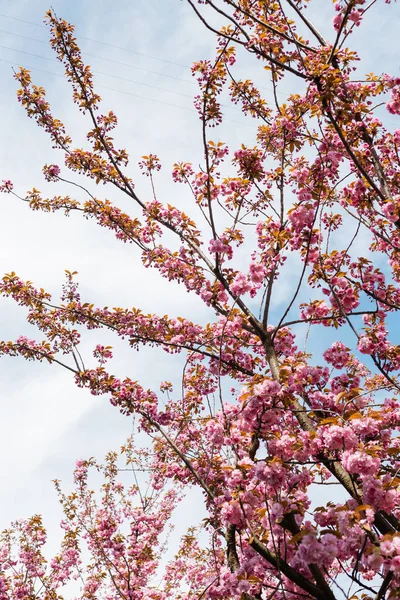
259	425
113	543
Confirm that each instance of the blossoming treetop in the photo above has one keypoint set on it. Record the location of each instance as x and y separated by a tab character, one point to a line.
294	420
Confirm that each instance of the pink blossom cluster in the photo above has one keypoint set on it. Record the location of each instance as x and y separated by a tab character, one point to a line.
182	171
51	172
337	355
6	186
301	217
149	164
394	105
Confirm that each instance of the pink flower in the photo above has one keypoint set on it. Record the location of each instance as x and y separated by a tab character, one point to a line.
240	285
150	163
220	246
102	353
181	172
54	170
387	547
6	186
257	272
365	345
338	355
51	172
394	105
390	212
336	437
355	16
360	462
337	21
302	216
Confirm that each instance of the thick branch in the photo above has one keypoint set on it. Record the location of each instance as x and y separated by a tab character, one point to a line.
314	590
383	521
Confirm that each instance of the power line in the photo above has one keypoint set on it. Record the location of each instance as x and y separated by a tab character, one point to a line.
192	110
22	20
110	60
118	48
101	73
101	86
171	62
149	85
124	50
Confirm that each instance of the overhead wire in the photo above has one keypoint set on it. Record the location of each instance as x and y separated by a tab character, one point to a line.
269	88
149	85
105	87
110	60
100	72
171	62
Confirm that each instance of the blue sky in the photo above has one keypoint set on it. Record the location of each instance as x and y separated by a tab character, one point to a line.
47	421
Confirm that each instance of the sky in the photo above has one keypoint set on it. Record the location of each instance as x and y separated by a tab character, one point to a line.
141	56
49	422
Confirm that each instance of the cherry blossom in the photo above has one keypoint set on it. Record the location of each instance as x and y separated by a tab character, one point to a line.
290	383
